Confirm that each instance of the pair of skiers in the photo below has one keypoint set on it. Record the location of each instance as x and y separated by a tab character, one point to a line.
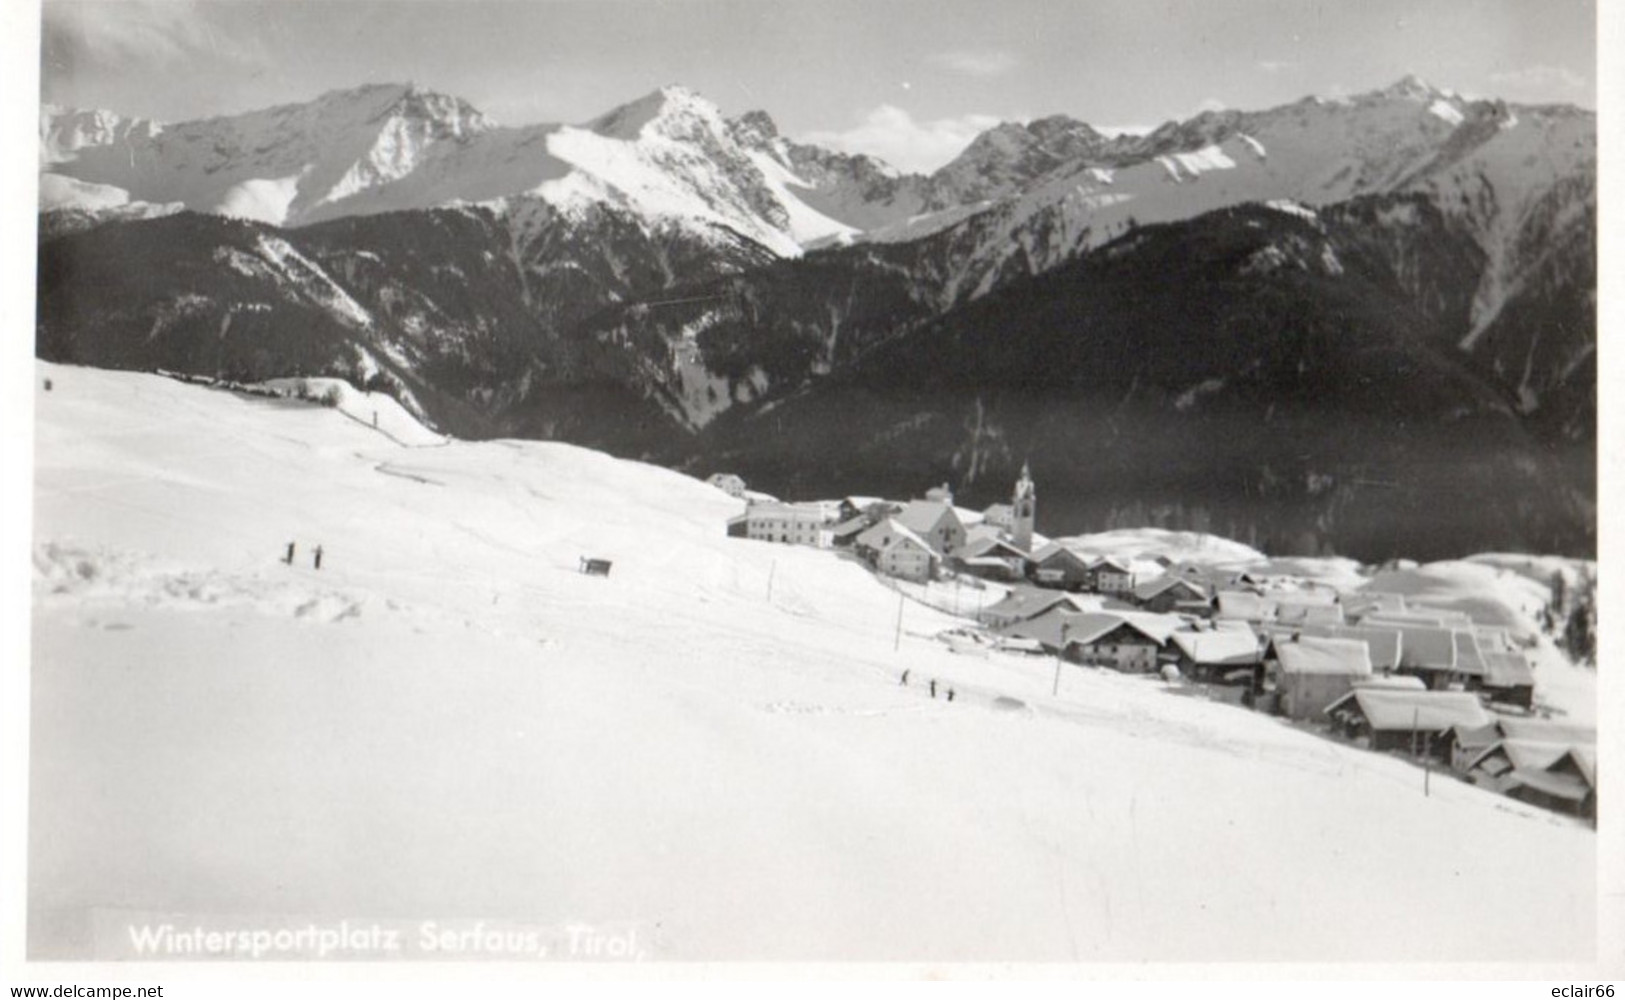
316	559
933	686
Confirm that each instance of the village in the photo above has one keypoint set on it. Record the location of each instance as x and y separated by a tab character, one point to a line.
1377	669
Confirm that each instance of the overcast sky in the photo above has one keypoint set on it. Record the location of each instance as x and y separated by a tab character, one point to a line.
911	81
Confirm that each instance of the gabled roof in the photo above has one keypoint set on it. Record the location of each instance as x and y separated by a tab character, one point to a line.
1425	647
1531	759
1554	783
1246	606
888	533
1055	551
982	546
923	516
1092	626
1045	628
1115	563
1383	644
1314	655
1031	603
1221	647
905	537
981	530
1534	753
1423	711
1505	670
1547	730
852	526
1168	581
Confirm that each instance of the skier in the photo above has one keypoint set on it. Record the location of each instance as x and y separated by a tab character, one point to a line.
318	557
950	694
933	687
905	679
289	557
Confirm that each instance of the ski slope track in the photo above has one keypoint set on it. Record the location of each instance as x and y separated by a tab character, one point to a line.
449	721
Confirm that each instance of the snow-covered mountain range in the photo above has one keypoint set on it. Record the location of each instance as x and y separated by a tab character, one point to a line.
632	280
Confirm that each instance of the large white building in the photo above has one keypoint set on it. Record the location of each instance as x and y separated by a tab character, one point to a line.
789	523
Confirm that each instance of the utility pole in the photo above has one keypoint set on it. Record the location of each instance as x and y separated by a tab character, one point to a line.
897	640
1059	653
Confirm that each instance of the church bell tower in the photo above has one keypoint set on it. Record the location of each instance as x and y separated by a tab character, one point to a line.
1023	505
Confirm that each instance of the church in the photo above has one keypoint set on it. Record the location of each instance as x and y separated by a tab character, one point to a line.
1000	548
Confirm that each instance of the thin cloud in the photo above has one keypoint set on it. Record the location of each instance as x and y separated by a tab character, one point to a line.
1541	78
1275	67
154	33
891	134
981	64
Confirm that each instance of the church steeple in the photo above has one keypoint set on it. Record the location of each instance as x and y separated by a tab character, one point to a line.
1023	506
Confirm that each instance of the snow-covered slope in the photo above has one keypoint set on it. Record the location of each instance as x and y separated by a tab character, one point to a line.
447	721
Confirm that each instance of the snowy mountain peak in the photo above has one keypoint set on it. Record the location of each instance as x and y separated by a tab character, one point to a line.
673	111
1411	87
441	114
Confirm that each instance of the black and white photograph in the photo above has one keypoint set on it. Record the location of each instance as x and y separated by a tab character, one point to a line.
921	486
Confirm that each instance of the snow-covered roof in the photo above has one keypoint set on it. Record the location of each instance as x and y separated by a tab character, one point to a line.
923	516
1314	655
1425	647
1423	711
981	545
1091	626
1027	603
1245	605
904	536
1545	729
1383	644
1504	670
1554	783
885	534
1148	589
1219	646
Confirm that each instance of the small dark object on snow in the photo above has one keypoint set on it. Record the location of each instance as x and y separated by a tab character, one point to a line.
47	385
318	557
933	688
289	557
950	694
595	567
904	681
